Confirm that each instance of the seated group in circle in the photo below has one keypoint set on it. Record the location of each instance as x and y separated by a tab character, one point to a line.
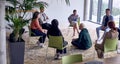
55	31
83	42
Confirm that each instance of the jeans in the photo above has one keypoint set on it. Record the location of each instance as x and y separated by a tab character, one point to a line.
98	31
39	33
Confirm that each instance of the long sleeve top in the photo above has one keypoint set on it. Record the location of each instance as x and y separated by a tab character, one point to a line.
84	39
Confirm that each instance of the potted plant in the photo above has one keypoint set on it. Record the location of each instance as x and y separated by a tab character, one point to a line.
16	13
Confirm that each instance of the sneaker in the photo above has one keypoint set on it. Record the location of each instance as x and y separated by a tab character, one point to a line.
60	56
57	56
41	45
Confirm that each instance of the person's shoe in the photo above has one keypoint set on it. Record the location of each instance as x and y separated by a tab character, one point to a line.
56	56
41	45
60	56
100	54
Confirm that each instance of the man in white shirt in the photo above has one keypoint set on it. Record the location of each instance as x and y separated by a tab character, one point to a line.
43	19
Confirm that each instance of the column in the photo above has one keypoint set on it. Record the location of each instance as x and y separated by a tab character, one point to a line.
86	9
3	59
110	5
99	11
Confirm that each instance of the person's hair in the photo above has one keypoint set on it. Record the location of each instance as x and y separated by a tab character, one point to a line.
107	9
82	24
74	10
111	25
35	15
55	23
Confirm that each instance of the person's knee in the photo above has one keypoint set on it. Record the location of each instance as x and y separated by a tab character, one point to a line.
97	28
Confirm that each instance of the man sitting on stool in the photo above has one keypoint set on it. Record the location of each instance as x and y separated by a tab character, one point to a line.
105	21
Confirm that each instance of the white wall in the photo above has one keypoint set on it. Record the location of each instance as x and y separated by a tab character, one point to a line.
59	10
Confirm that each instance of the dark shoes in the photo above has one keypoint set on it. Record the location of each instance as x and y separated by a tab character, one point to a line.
100	54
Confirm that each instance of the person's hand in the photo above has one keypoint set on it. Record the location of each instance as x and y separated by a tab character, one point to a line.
44	31
47	18
103	27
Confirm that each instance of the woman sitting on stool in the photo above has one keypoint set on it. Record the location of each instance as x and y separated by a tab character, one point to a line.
37	29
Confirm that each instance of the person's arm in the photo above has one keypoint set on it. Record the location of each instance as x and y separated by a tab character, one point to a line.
80	37
60	33
103	21
111	18
69	19
38	26
104	38
46	16
78	18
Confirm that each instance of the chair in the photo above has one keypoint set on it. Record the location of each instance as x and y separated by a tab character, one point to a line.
110	46
32	39
78	22
55	42
71	26
71	59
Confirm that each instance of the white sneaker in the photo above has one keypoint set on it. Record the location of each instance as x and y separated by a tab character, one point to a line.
60	56
41	45
56	57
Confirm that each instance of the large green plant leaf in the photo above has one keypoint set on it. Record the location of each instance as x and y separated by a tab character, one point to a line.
17	13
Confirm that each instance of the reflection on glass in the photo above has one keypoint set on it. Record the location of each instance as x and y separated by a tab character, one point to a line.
116	11
104	7
94	10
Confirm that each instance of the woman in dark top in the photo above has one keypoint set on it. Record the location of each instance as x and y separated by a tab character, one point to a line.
55	31
37	29
84	41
